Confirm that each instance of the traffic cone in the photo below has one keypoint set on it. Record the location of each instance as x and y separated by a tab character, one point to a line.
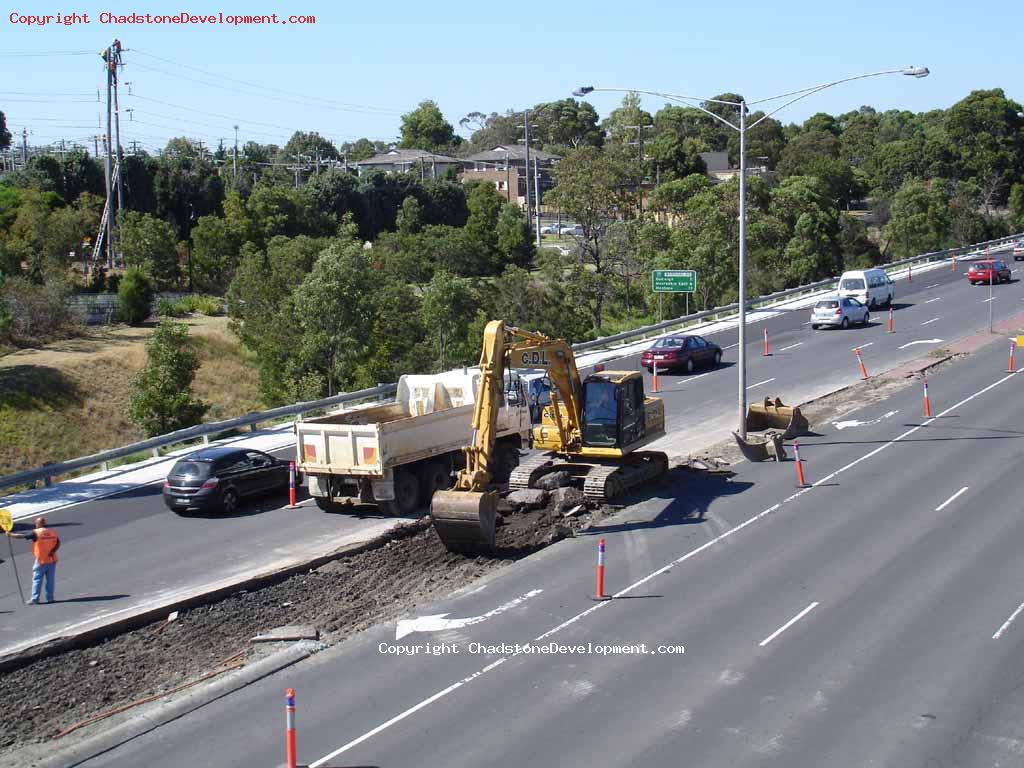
600	572
927	402
766	353
892	327
290	754
801	483
860	360
655	382
1009	366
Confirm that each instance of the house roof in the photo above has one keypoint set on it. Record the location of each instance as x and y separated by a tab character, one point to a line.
500	153
402	156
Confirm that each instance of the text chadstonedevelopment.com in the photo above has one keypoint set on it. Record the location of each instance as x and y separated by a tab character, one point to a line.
182	18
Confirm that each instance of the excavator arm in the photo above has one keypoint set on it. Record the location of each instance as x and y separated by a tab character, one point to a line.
464	517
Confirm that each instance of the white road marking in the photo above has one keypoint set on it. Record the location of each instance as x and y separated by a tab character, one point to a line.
766	381
655	574
986	301
937	298
950	500
929	322
788	624
841	425
791	346
929	287
861	346
438	622
1008	622
810	321
921	341
732	345
688	379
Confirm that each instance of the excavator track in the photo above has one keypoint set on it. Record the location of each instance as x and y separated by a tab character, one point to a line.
606	481
531	469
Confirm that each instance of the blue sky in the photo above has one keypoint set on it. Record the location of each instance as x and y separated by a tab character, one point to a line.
360	66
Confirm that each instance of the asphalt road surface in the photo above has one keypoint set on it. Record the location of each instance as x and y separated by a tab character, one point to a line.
873	618
129	550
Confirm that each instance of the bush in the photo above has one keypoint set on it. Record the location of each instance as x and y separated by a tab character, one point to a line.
169	308
38	313
161	399
136	297
191	304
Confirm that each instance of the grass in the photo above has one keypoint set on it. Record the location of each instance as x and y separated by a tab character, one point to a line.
70	399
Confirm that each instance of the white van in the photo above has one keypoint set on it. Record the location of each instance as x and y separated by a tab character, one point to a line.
869	286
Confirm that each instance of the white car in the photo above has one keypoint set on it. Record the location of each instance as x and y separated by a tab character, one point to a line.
549	229
574	229
1018	250
839	312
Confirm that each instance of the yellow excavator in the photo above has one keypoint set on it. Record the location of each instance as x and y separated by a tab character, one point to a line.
591	430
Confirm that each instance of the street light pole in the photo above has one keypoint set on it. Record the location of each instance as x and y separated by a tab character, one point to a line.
742	128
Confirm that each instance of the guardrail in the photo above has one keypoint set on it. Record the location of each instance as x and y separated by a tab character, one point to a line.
645	331
48	471
189	434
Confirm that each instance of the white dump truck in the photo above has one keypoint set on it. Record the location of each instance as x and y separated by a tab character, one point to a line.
396	454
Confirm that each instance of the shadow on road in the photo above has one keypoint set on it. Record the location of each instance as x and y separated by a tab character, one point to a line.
92	599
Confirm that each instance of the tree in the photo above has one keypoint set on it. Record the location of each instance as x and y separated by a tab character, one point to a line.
410	217
804	149
484	205
920	219
590	190
514	242
676	157
135	296
161	400
988	136
5	135
360	149
215	251
426	128
492	130
149	243
186	185
566	123
672	196
311	144
448	307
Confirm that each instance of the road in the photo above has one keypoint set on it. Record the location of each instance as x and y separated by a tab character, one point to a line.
128	550
866	620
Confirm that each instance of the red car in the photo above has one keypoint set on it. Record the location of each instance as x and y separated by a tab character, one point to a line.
988	270
686	352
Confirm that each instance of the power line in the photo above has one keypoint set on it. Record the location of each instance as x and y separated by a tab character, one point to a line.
47	53
263	87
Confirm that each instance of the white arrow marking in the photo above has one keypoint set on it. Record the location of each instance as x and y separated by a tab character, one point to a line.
921	341
929	322
841	425
438	622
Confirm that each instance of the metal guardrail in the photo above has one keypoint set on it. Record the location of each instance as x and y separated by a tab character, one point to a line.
203	431
644	331
48	471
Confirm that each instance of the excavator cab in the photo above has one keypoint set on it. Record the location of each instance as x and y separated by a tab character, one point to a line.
613	410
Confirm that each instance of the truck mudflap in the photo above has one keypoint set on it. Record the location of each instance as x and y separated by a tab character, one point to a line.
465	520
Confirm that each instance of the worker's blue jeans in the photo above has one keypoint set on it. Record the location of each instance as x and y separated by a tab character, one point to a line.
47	571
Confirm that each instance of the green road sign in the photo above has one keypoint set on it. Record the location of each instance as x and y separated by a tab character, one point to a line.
674	281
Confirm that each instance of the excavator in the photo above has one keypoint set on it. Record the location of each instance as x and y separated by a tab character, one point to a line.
591	430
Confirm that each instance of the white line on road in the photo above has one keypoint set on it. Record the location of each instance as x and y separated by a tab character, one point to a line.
936	285
986	301
690	379
861	346
921	341
791	346
766	381
1008	622
732	345
788	624
937	298
655	574
950	500
929	322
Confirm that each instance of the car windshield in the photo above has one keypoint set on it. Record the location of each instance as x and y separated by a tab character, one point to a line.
826	305
191	469
852	284
669	343
983	265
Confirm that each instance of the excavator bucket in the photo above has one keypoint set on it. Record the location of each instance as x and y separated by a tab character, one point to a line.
772	414
761	447
465	520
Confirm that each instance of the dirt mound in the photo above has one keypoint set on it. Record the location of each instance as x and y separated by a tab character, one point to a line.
407	567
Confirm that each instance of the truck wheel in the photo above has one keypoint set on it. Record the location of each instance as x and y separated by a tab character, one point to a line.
506	459
433	477
407	495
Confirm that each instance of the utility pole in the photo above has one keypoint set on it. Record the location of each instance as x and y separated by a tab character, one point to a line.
24	147
117	128
297	156
110	65
526	126
536	191
96	146
640	173
234	160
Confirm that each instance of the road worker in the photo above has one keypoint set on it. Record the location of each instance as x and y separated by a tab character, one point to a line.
45	544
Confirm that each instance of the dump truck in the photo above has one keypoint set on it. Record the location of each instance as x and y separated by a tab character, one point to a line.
591	430
396	454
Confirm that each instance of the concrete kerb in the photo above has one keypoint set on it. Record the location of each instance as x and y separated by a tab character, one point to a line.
51	645
164	712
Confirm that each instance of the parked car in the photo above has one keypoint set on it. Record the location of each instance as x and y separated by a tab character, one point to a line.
686	352
574	229
1018	250
218	478
839	312
869	286
549	229
985	271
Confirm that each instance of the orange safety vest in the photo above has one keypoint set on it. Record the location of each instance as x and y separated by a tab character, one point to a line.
43	548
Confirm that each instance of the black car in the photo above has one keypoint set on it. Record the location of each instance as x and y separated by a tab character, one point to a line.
218	478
